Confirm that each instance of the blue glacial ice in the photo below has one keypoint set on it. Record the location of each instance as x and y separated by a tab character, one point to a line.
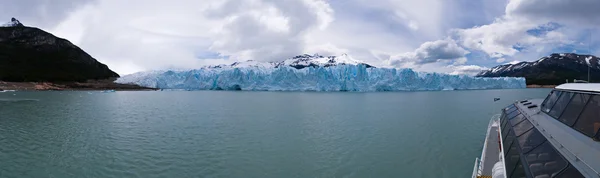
349	77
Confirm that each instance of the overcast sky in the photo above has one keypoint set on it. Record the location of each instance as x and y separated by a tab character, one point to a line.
448	36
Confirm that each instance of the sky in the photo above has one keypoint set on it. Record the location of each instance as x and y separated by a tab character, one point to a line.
444	36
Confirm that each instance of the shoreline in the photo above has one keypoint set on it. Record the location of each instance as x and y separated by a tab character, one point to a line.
72	86
540	86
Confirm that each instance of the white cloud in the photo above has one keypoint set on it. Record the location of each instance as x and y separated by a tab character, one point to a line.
497	39
500	60
431	52
513	62
142	35
467	69
500	38
570	12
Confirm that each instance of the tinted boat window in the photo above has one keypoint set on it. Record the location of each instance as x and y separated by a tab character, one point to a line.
574	109
511	110
546	99
503	120
570	172
589	121
550	100
513	114
509	107
510	137
505	131
507	145
530	140
519	172
522	127
544	161
517	120
560	104
512	158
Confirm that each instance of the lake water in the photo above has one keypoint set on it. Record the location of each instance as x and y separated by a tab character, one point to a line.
246	134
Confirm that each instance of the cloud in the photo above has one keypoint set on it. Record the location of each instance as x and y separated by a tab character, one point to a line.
538	24
426	35
43	13
467	70
267	30
570	12
513	62
145	35
430	52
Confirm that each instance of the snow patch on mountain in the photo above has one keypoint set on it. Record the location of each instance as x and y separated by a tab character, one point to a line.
552	59
13	23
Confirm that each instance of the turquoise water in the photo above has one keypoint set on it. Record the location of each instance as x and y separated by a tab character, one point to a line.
246	134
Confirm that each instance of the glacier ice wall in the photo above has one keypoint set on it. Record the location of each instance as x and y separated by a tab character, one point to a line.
333	78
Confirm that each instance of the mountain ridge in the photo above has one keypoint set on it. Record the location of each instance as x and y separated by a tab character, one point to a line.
30	54
550	70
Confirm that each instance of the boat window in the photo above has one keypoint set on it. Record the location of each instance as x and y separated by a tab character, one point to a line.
503	121
505	134
517	120
512	158
522	127
506	145
589	120
509	107
510	137
513	114
510	111
519	172
545	161
560	104
550	100
530	140
574	108
570	172
546	98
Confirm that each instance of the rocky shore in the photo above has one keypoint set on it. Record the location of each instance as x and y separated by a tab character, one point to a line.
541	86
89	85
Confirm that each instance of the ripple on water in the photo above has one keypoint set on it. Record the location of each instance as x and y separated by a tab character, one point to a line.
243	134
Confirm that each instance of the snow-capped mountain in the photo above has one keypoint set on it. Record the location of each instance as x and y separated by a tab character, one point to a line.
553	69
312	73
298	62
13	23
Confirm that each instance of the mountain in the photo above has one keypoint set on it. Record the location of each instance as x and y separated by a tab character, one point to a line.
29	54
550	70
311	73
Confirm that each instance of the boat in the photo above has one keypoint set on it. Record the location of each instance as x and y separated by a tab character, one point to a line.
553	137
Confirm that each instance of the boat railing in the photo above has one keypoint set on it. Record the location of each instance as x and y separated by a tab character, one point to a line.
477	168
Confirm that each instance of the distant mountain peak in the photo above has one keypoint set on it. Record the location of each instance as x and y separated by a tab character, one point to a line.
13	23
553	69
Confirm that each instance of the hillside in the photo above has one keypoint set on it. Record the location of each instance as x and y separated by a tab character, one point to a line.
29	54
550	70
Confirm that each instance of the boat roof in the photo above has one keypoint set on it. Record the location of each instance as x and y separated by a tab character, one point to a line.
594	87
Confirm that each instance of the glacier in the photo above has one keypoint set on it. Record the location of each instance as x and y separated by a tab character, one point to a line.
343	77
